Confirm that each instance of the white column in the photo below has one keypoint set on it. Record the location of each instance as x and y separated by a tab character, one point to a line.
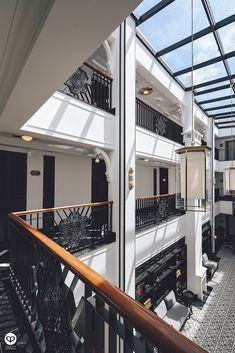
193	220
128	145
123	155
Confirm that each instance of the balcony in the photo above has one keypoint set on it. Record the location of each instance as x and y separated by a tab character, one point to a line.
152	210
70	307
152	120
224	154
91	86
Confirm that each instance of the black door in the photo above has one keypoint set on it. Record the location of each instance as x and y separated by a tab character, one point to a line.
163	181
99	188
99	193
13	185
48	192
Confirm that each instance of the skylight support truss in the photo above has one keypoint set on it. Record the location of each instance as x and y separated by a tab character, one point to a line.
147	15
211	86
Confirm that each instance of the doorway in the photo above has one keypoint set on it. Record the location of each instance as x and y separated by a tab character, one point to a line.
99	187
48	192
163	177
13	189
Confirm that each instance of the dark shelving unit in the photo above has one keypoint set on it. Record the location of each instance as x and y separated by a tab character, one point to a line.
164	272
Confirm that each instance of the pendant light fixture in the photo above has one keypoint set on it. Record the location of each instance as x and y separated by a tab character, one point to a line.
229	173
192	171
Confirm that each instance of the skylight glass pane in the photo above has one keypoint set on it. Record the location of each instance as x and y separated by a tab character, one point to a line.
173	23
231	63
222	8
227	35
215	85
217	104
220	111
204	48
144	6
204	74
212	95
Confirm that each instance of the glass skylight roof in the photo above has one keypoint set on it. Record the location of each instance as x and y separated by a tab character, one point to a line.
167	26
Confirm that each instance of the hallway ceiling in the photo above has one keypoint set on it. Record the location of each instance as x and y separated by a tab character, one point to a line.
166	24
42	43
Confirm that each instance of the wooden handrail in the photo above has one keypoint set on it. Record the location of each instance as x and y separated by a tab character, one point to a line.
147	323
43	210
97	70
153	196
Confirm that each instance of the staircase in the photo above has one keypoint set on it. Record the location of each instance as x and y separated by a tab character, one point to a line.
11	317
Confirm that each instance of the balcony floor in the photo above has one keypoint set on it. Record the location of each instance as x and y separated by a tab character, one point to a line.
213	326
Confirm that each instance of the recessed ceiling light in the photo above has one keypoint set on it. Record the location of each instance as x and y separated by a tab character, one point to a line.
146	90
146	160
27	138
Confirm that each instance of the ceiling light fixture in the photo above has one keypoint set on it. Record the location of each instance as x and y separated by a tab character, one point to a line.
26	138
146	160
97	159
193	168
145	91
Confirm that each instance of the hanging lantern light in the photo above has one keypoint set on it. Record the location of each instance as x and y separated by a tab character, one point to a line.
193	171
193	168
229	173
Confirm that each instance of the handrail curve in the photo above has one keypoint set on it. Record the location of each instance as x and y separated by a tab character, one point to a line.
156	330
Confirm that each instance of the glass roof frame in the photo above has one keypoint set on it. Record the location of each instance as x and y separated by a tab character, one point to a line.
212	28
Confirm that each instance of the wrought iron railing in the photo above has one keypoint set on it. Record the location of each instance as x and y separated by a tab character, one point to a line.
76	228
152	120
154	209
90	86
71	308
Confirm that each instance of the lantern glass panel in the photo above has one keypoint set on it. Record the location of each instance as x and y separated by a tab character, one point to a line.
193	174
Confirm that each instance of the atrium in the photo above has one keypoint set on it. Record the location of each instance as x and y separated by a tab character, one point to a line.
117	192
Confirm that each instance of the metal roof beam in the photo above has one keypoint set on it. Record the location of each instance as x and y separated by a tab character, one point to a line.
205	63
197	35
216	99
220	107
155	9
212	90
212	82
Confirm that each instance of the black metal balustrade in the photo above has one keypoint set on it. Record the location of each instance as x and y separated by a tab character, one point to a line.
90	86
152	120
154	209
71	308
76	228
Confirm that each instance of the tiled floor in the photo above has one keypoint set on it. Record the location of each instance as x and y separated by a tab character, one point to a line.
213	326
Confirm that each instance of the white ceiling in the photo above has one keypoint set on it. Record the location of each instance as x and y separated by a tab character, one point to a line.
42	43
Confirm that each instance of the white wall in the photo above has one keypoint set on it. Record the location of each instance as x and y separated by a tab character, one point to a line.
171	181
70	119
72	180
34	183
151	241
149	144
143	180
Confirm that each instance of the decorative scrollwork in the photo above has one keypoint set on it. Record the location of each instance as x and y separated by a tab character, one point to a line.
162	208
74	233
53	307
77	82
161	125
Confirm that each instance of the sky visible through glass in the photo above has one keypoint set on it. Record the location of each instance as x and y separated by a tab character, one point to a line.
173	23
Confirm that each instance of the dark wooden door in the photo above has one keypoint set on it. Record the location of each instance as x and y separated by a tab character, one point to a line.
13	186
99	187
48	192
163	181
